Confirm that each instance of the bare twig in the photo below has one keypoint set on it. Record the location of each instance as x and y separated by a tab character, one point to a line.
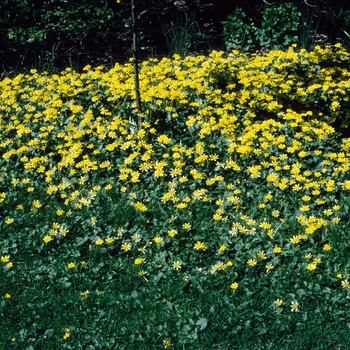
268	3
309	4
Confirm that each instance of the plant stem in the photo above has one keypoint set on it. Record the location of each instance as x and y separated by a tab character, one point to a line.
136	65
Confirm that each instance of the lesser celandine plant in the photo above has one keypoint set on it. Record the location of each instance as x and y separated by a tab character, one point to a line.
222	223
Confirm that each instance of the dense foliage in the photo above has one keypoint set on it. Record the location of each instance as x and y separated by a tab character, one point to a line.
50	35
54	35
222	223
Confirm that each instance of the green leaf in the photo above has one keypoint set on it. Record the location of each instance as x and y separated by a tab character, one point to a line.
202	323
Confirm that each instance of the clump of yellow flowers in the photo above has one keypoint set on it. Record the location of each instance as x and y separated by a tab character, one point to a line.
238	172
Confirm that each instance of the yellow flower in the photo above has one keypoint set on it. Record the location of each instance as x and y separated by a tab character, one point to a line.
304	208
234	285
294	305
7	296
311	267
345	284
163	139
275	213
270	233
277	250
200	246
16	182
219	202
9	221
167	342
222	247
335	220
269	267
295	239
186	226
84	295
139	206
5	258
251	262
100	241
278	302
138	261
328	212
261	255
268	196
71	265
181	205
158	239
47	239
63	231
265	225
36	204
327	247
217	217
126	247
172	233
136	237
176	265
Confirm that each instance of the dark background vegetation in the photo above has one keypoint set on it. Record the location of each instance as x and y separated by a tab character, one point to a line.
55	34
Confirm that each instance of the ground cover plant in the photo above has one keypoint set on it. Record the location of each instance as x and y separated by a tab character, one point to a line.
222	223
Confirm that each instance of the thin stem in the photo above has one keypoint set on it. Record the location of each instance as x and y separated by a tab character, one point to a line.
136	65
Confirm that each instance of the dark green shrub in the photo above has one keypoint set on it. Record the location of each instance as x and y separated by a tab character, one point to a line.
280	25
277	29
239	32
58	34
